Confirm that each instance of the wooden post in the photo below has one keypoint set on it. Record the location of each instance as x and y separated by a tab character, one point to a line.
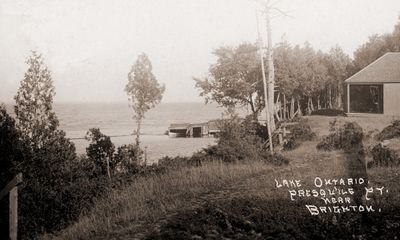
348	98
13	225
12	190
280	139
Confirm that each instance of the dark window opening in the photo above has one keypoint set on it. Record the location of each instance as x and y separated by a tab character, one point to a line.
197	132
366	98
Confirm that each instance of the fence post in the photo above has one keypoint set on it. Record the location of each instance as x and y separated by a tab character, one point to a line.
13	213
12	190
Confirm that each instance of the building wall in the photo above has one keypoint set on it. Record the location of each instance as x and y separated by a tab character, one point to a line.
391	99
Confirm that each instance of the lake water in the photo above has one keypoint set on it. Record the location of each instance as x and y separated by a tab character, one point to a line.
116	119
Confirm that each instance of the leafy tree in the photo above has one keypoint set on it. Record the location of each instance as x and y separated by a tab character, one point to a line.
143	90
45	172
34	100
100	150
376	46
235	79
287	70
338	64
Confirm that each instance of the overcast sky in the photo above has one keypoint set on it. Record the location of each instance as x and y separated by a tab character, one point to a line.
90	45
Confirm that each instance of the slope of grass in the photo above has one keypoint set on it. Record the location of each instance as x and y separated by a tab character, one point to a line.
239	201
149	200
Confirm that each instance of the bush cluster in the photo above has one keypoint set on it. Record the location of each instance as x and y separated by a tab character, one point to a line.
298	133
240	140
383	157
389	132
329	112
342	138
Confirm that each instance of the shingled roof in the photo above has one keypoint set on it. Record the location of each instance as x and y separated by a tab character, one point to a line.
385	69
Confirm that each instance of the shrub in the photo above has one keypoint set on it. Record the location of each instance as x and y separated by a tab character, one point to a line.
329	112
127	158
174	162
239	140
298	133
384	157
276	159
100	150
302	131
389	132
290	144
44	204
343	138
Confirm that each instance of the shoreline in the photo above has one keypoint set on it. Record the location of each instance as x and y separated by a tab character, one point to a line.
158	146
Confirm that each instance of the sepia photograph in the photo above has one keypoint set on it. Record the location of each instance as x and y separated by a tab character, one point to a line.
199	119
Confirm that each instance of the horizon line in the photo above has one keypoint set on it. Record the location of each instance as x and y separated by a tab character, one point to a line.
108	102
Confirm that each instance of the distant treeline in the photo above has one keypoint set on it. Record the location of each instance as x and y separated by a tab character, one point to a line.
306	79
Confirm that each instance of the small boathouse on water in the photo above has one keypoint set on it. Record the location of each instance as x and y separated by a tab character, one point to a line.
195	130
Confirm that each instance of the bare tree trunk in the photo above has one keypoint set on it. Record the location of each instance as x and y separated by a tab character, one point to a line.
311	104
271	71
330	96
278	111
267	108
278	106
299	107
339	96
284	107
108	168
139	122
292	101
253	110
318	102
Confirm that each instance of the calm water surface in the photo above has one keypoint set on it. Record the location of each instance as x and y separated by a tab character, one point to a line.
116	119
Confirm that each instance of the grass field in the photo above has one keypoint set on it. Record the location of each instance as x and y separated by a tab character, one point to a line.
241	201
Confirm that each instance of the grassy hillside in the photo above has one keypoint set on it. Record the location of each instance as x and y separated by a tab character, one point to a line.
240	201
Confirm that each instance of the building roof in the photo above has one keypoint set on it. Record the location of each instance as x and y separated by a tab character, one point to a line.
179	125
385	69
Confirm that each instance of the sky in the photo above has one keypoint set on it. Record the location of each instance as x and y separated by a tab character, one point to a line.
90	45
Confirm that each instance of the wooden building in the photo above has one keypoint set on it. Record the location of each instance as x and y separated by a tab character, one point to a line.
376	88
196	130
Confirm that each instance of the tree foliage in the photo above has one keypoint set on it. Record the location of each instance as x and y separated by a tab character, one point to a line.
302	75
376	46
338	66
143	90
46	170
100	150
235	79
34	101
128	158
